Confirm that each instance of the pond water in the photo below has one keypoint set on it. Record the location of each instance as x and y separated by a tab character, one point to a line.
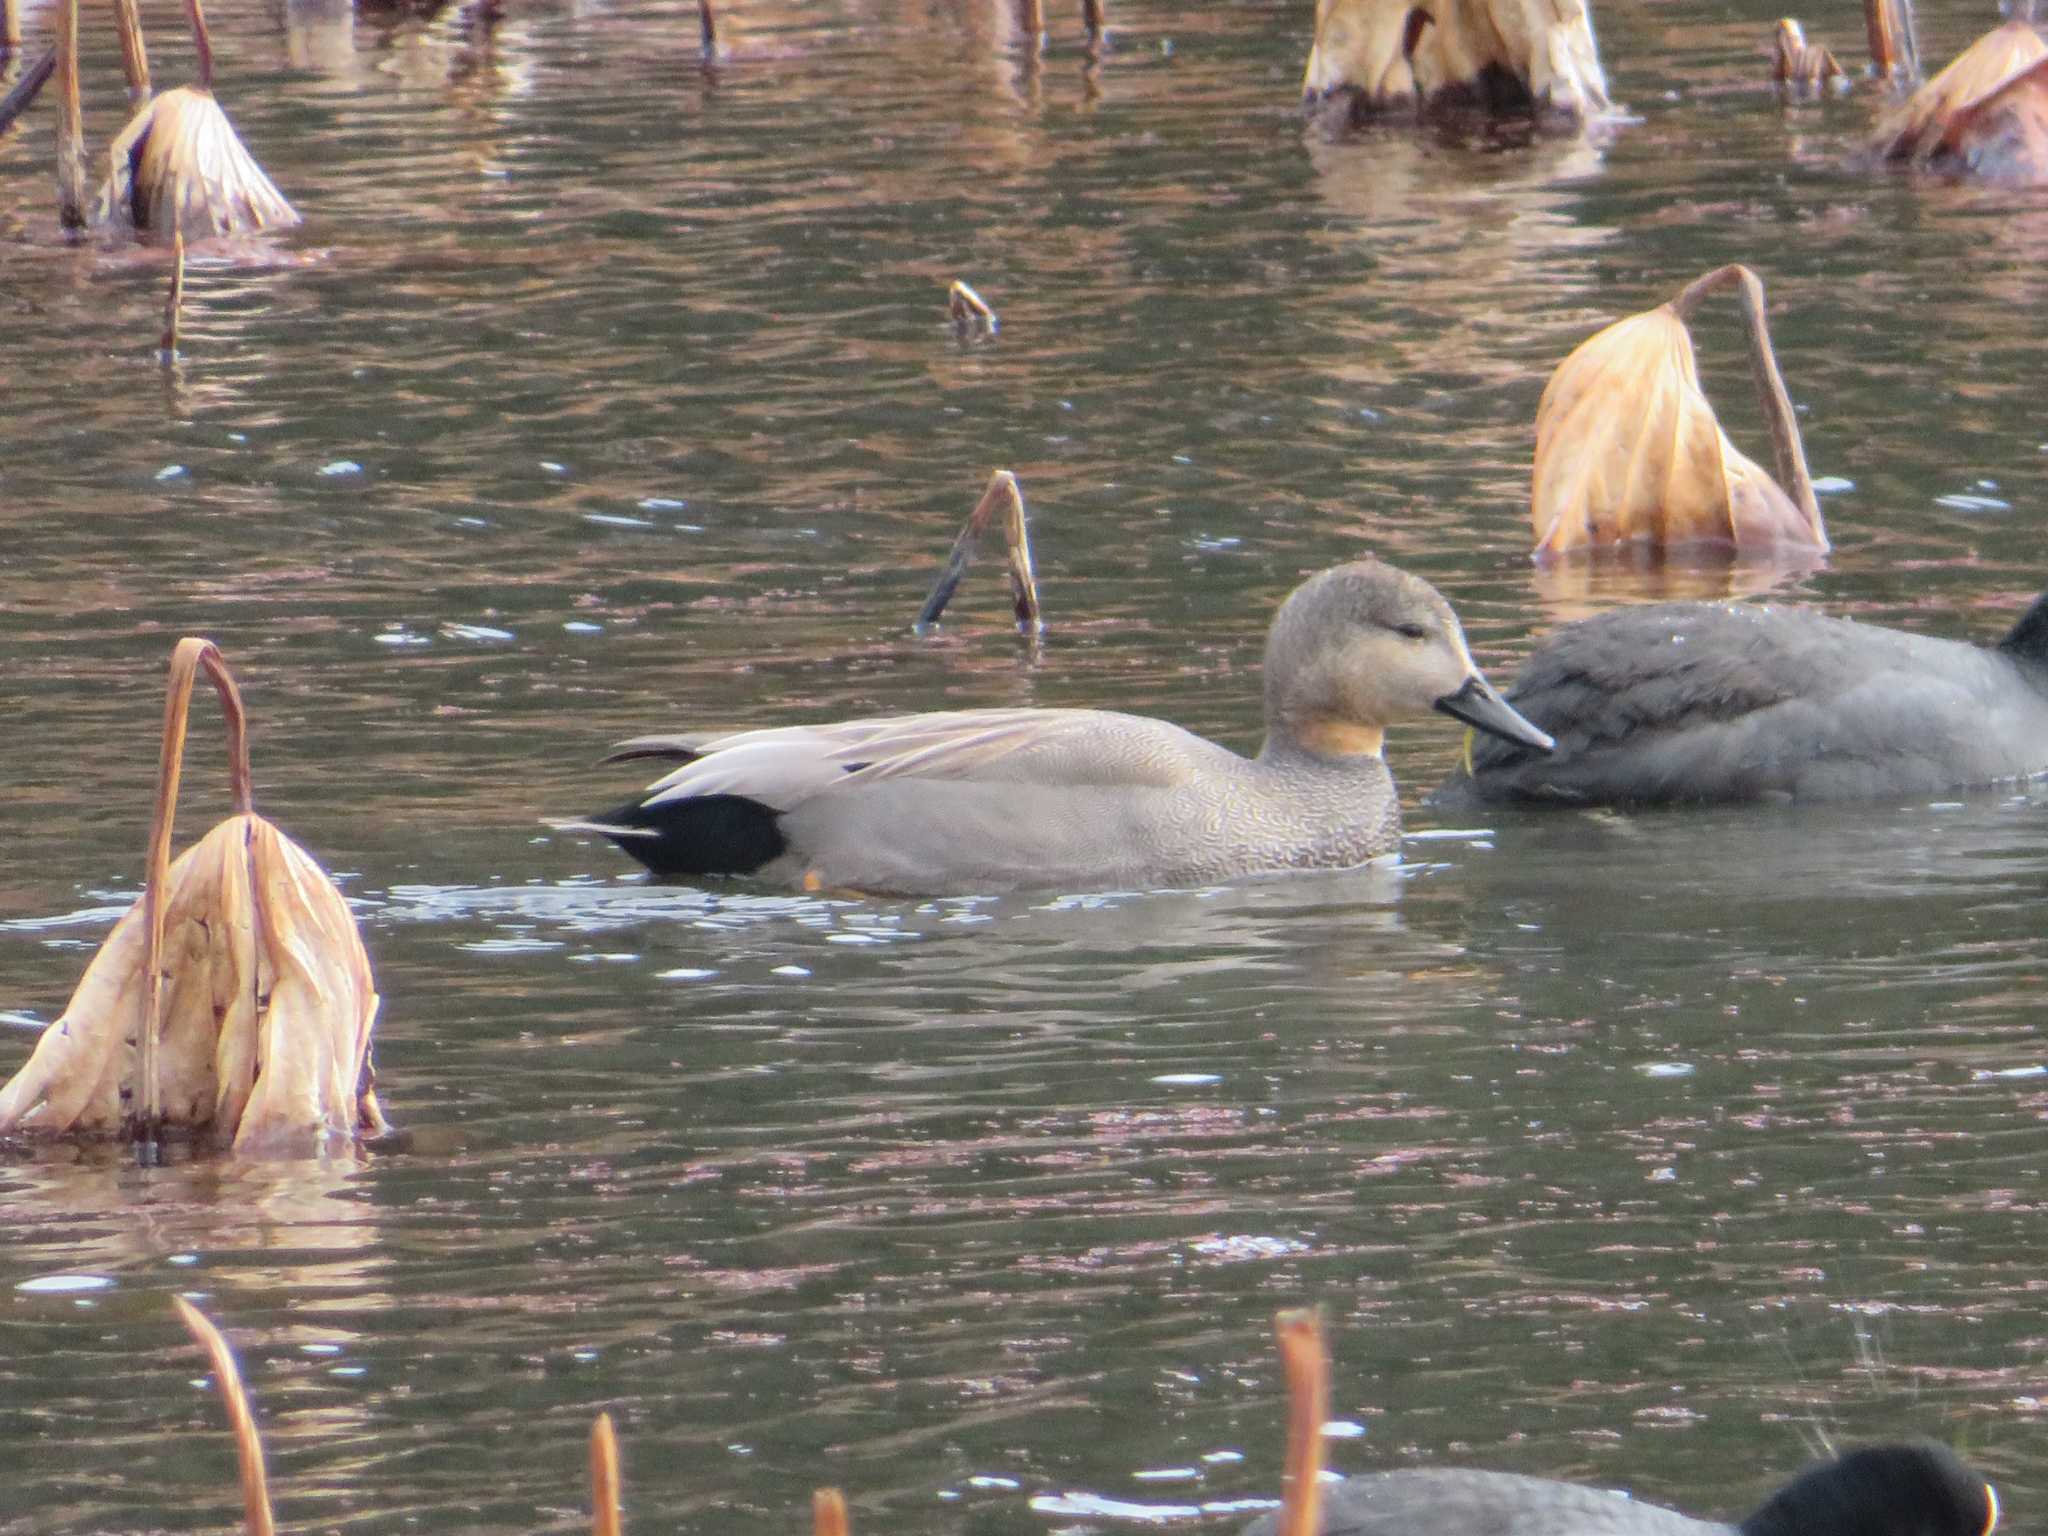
602	392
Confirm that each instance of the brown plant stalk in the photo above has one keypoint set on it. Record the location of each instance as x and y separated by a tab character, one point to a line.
256	1515
1002	494
604	1478
1300	1335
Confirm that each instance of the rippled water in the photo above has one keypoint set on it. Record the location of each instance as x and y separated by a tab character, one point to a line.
602	391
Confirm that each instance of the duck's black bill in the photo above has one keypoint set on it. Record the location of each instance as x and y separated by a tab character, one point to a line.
1480	705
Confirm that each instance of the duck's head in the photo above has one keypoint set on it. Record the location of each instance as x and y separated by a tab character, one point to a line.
1881	1490
1357	647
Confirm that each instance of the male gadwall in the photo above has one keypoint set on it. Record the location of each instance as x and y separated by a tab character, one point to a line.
1883	1490
1721	702
986	800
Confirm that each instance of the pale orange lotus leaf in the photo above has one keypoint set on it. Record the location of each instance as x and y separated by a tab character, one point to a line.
258	1035
1925	131
1630	453
1500	55
179	168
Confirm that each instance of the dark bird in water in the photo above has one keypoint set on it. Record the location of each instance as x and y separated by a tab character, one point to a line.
1720	702
988	800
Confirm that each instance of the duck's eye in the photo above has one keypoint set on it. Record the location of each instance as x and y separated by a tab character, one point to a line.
1411	631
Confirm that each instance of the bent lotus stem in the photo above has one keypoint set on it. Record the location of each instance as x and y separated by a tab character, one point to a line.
1786	443
134	55
828	1513
1300	1336
202	44
186	661
970	311
256	1515
604	1478
23	93
70	122
1002	493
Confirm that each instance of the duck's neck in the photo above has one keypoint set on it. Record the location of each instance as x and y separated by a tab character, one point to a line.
1322	736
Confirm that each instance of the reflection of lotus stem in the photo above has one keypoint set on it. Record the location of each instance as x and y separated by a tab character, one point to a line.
134	56
70	122
1770	383
604	1478
202	45
186	661
170	338
248	1447
1300	1334
1002	492
828	1513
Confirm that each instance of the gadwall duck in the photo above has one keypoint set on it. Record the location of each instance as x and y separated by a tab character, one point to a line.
988	800
1724	702
1884	1490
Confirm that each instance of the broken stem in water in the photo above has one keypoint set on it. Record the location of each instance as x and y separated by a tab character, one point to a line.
25	90
1786	442
1300	1336
1894	51
604	1478
134	55
176	299
970	311
828	1513
256	1514
70	122
1002	492
186	660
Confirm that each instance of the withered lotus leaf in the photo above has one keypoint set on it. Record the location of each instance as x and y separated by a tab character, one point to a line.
179	168
1629	451
1500	55
258	1035
1799	64
1987	112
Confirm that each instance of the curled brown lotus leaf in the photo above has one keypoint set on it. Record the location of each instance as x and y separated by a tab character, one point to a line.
1630	453
1500	55
179	168
258	1035
1985	112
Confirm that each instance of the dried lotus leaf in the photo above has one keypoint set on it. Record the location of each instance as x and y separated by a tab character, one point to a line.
1502	55
179	168
1919	131
1629	451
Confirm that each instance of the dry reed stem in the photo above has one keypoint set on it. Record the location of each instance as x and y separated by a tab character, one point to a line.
828	1513
604	1478
176	299
70	122
970	311
256	1516
186	661
134	55
1300	1336
1786	443
1003	493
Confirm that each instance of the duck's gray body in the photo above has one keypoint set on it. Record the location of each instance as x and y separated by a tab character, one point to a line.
1459	1501
976	801
1720	702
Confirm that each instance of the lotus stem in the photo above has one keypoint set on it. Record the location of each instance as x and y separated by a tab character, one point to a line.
1300	1336
256	1516
25	90
202	44
1786	443
1031	22
190	655
176	299
10	26
70	122
1002	493
707	29
1894	51
828	1513
134	55
604	1478
970	311
1092	19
